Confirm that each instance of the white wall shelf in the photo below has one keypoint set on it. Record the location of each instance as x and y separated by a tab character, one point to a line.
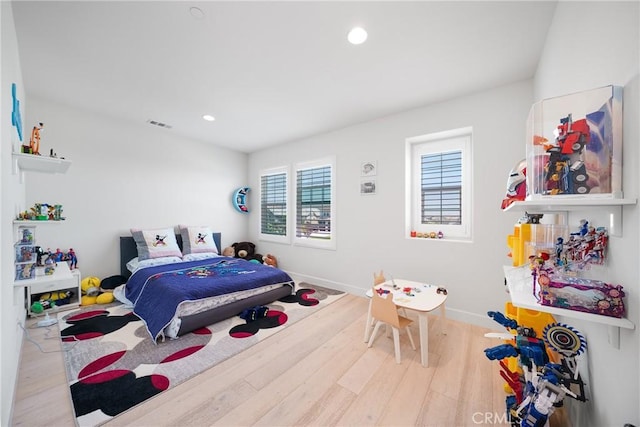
35	163
33	222
560	203
610	206
520	287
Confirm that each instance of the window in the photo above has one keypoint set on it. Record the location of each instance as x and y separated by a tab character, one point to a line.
274	190
439	187
315	212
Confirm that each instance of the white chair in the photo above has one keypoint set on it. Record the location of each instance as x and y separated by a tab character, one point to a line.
384	311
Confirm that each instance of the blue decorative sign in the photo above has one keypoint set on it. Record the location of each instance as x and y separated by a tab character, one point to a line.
16	118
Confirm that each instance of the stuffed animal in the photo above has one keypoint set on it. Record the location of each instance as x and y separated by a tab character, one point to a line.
229	251
247	250
92	293
270	260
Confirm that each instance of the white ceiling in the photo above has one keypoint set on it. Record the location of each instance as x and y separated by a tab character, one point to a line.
271	72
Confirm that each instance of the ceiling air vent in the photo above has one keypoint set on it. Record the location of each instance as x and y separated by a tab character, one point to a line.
159	124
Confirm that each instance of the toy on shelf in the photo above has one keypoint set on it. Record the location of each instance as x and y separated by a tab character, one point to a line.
34	144
42	212
516	184
574	145
556	280
539	384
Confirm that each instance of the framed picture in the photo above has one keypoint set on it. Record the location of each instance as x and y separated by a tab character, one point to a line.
368	186
368	168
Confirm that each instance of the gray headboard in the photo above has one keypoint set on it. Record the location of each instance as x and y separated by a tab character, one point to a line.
128	250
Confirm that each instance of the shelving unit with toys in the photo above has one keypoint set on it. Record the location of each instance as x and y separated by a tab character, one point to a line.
56	281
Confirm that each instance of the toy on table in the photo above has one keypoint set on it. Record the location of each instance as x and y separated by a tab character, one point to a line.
71	258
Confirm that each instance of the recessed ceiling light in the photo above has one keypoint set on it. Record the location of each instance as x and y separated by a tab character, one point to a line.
208	118
357	35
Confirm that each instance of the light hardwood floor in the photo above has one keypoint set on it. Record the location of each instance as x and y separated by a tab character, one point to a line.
317	371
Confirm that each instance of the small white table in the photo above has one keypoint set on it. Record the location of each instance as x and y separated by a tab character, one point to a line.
425	299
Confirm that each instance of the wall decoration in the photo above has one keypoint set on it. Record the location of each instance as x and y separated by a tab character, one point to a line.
368	186
240	199
368	168
16	117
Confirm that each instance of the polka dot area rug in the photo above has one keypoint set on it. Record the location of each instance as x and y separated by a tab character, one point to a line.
112	364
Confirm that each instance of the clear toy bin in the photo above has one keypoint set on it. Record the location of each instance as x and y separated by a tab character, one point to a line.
574	146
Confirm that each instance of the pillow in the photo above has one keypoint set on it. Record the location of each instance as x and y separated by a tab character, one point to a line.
156	243
199	256
136	263
197	240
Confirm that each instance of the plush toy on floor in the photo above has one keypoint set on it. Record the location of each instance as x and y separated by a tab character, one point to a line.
92	293
270	260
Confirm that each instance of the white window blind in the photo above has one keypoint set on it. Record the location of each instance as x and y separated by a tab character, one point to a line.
441	183
314	204
274	207
439	186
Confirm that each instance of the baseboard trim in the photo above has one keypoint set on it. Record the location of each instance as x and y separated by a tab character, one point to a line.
481	320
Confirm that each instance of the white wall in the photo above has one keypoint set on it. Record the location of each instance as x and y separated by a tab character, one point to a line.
128	175
12	193
589	45
371	229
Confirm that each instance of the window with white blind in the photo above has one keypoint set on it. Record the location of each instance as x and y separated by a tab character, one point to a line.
314	209
439	190
274	192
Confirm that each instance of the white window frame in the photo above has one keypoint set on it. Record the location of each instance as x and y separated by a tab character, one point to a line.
271	237
329	243
440	142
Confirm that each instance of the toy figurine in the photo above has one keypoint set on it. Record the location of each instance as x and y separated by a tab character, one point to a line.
34	144
539	386
72	259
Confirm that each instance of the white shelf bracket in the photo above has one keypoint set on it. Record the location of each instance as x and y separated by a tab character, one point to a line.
614	336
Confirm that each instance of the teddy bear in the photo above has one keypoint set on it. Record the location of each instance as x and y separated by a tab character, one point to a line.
247	250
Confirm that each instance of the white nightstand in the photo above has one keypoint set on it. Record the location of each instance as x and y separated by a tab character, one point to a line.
63	279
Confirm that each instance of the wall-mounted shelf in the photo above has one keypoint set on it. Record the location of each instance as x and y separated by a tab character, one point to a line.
34	163
520	288
562	203
30	222
612	207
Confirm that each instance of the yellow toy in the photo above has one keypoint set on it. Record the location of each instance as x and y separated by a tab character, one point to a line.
92	293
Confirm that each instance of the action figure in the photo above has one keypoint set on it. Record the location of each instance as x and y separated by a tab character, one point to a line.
34	144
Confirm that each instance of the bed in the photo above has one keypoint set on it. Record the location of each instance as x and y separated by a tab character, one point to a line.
230	286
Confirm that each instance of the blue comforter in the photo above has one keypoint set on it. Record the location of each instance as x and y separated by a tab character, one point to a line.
157	291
